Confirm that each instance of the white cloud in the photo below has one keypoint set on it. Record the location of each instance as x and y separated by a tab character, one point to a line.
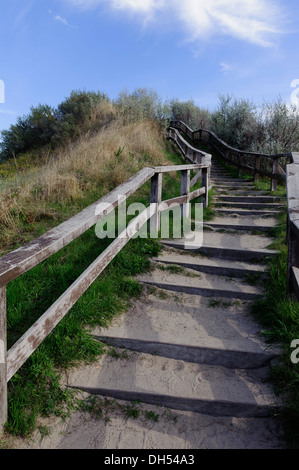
253	21
225	68
60	19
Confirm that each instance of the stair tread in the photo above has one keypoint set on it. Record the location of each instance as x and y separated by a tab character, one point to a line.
175	257
160	380
190	322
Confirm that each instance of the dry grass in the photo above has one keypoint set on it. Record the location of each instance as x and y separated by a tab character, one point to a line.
89	168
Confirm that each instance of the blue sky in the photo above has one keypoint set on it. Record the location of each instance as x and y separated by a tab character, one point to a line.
183	49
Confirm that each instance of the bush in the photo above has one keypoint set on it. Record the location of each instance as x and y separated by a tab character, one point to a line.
235	122
190	114
143	105
279	128
46	126
30	132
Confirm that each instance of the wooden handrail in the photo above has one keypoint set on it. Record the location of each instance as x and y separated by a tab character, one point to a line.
292	183
226	152
30	255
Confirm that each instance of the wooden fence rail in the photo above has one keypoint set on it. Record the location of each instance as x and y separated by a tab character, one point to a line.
30	255
291	177
253	162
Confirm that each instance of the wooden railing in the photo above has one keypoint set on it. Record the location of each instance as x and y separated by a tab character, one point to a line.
293	225
30	255
291	177
253	162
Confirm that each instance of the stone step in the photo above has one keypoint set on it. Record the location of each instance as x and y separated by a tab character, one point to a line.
190	329
200	388
206	285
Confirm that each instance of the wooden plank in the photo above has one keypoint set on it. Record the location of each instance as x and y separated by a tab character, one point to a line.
170	169
195	179
155	198
185	191
197	193
165	205
293	191
293	222
3	364
21	260
205	183
30	341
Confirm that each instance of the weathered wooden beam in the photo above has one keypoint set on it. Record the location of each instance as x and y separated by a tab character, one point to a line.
185	191
3	363
155	198
293	222
21	260
205	184
30	341
195	179
197	193
170	169
165	205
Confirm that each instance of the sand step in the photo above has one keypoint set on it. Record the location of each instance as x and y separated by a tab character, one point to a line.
245	212
248	205
241	223
252	198
241	246
191	329
226	253
206	285
172	258
241	192
200	388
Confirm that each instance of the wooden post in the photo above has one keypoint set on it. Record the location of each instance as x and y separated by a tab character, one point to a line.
274	170
185	191
156	197
240	161
205	184
3	363
257	167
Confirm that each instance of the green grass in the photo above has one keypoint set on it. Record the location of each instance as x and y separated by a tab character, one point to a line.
35	390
